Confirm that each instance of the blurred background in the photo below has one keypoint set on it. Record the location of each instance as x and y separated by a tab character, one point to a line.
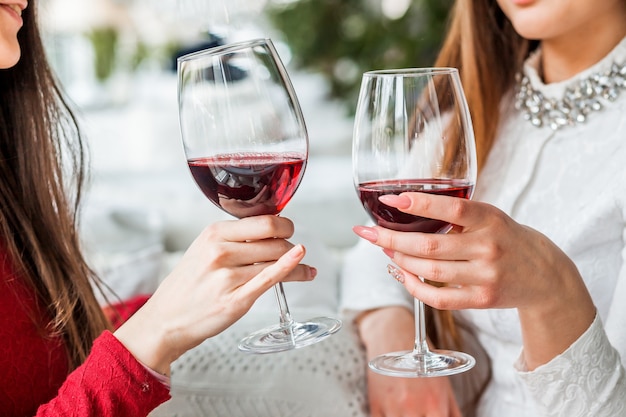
116	60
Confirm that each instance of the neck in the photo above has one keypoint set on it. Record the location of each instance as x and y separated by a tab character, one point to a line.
566	56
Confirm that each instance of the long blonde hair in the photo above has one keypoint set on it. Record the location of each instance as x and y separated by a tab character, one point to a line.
482	43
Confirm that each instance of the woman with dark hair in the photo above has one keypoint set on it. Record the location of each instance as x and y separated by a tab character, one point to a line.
538	260
58	353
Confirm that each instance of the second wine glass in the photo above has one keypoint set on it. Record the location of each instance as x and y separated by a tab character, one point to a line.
413	133
246	145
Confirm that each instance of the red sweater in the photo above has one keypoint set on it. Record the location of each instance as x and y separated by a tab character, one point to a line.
34	376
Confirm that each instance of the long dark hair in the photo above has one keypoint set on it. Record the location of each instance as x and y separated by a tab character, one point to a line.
42	171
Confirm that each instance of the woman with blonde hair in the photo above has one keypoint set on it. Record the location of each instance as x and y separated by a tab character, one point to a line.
537	268
60	356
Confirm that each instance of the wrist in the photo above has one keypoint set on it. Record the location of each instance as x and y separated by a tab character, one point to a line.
550	327
148	344
386	329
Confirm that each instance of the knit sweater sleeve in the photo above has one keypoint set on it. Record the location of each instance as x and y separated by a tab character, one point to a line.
110	383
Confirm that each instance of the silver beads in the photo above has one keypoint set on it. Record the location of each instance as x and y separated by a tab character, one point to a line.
578	102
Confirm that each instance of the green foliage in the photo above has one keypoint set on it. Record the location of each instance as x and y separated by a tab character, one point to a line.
104	42
344	38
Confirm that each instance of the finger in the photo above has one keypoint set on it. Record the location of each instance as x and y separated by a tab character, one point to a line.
238	254
250	228
267	250
301	272
443	271
444	298
423	245
275	273
454	210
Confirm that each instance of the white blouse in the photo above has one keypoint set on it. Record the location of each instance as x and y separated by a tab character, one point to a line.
570	184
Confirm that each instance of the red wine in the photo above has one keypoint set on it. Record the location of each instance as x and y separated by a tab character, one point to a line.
249	184
392	218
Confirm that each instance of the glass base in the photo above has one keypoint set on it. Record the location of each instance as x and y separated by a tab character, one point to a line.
408	364
279	338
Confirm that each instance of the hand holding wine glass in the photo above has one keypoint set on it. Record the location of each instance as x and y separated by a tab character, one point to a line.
413	132
224	270
247	147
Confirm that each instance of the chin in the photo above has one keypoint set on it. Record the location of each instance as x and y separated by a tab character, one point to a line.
9	60
530	30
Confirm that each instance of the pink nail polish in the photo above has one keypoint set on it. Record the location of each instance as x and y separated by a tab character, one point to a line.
397	201
366	233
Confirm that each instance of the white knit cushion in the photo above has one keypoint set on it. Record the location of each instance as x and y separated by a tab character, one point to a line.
321	380
326	379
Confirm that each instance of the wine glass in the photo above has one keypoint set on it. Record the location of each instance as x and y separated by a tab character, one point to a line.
413	132
246	145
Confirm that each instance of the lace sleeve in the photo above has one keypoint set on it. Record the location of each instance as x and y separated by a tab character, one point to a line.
588	379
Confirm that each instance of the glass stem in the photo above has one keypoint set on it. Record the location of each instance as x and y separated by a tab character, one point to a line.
421	345
283	308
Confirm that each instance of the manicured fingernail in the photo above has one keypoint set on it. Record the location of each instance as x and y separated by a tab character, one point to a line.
366	233
389	253
296	251
397	201
395	273
312	271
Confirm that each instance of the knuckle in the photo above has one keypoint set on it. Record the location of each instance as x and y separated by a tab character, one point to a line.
268	223
435	273
459	208
265	279
239	304
227	274
486	298
429	246
406	399
440	302
492	250
211	232
421	204
500	220
490	275
218	255
279	226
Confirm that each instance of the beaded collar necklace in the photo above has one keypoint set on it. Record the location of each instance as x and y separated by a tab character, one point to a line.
578	102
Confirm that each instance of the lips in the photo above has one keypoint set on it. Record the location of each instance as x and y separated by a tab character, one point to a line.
15	8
